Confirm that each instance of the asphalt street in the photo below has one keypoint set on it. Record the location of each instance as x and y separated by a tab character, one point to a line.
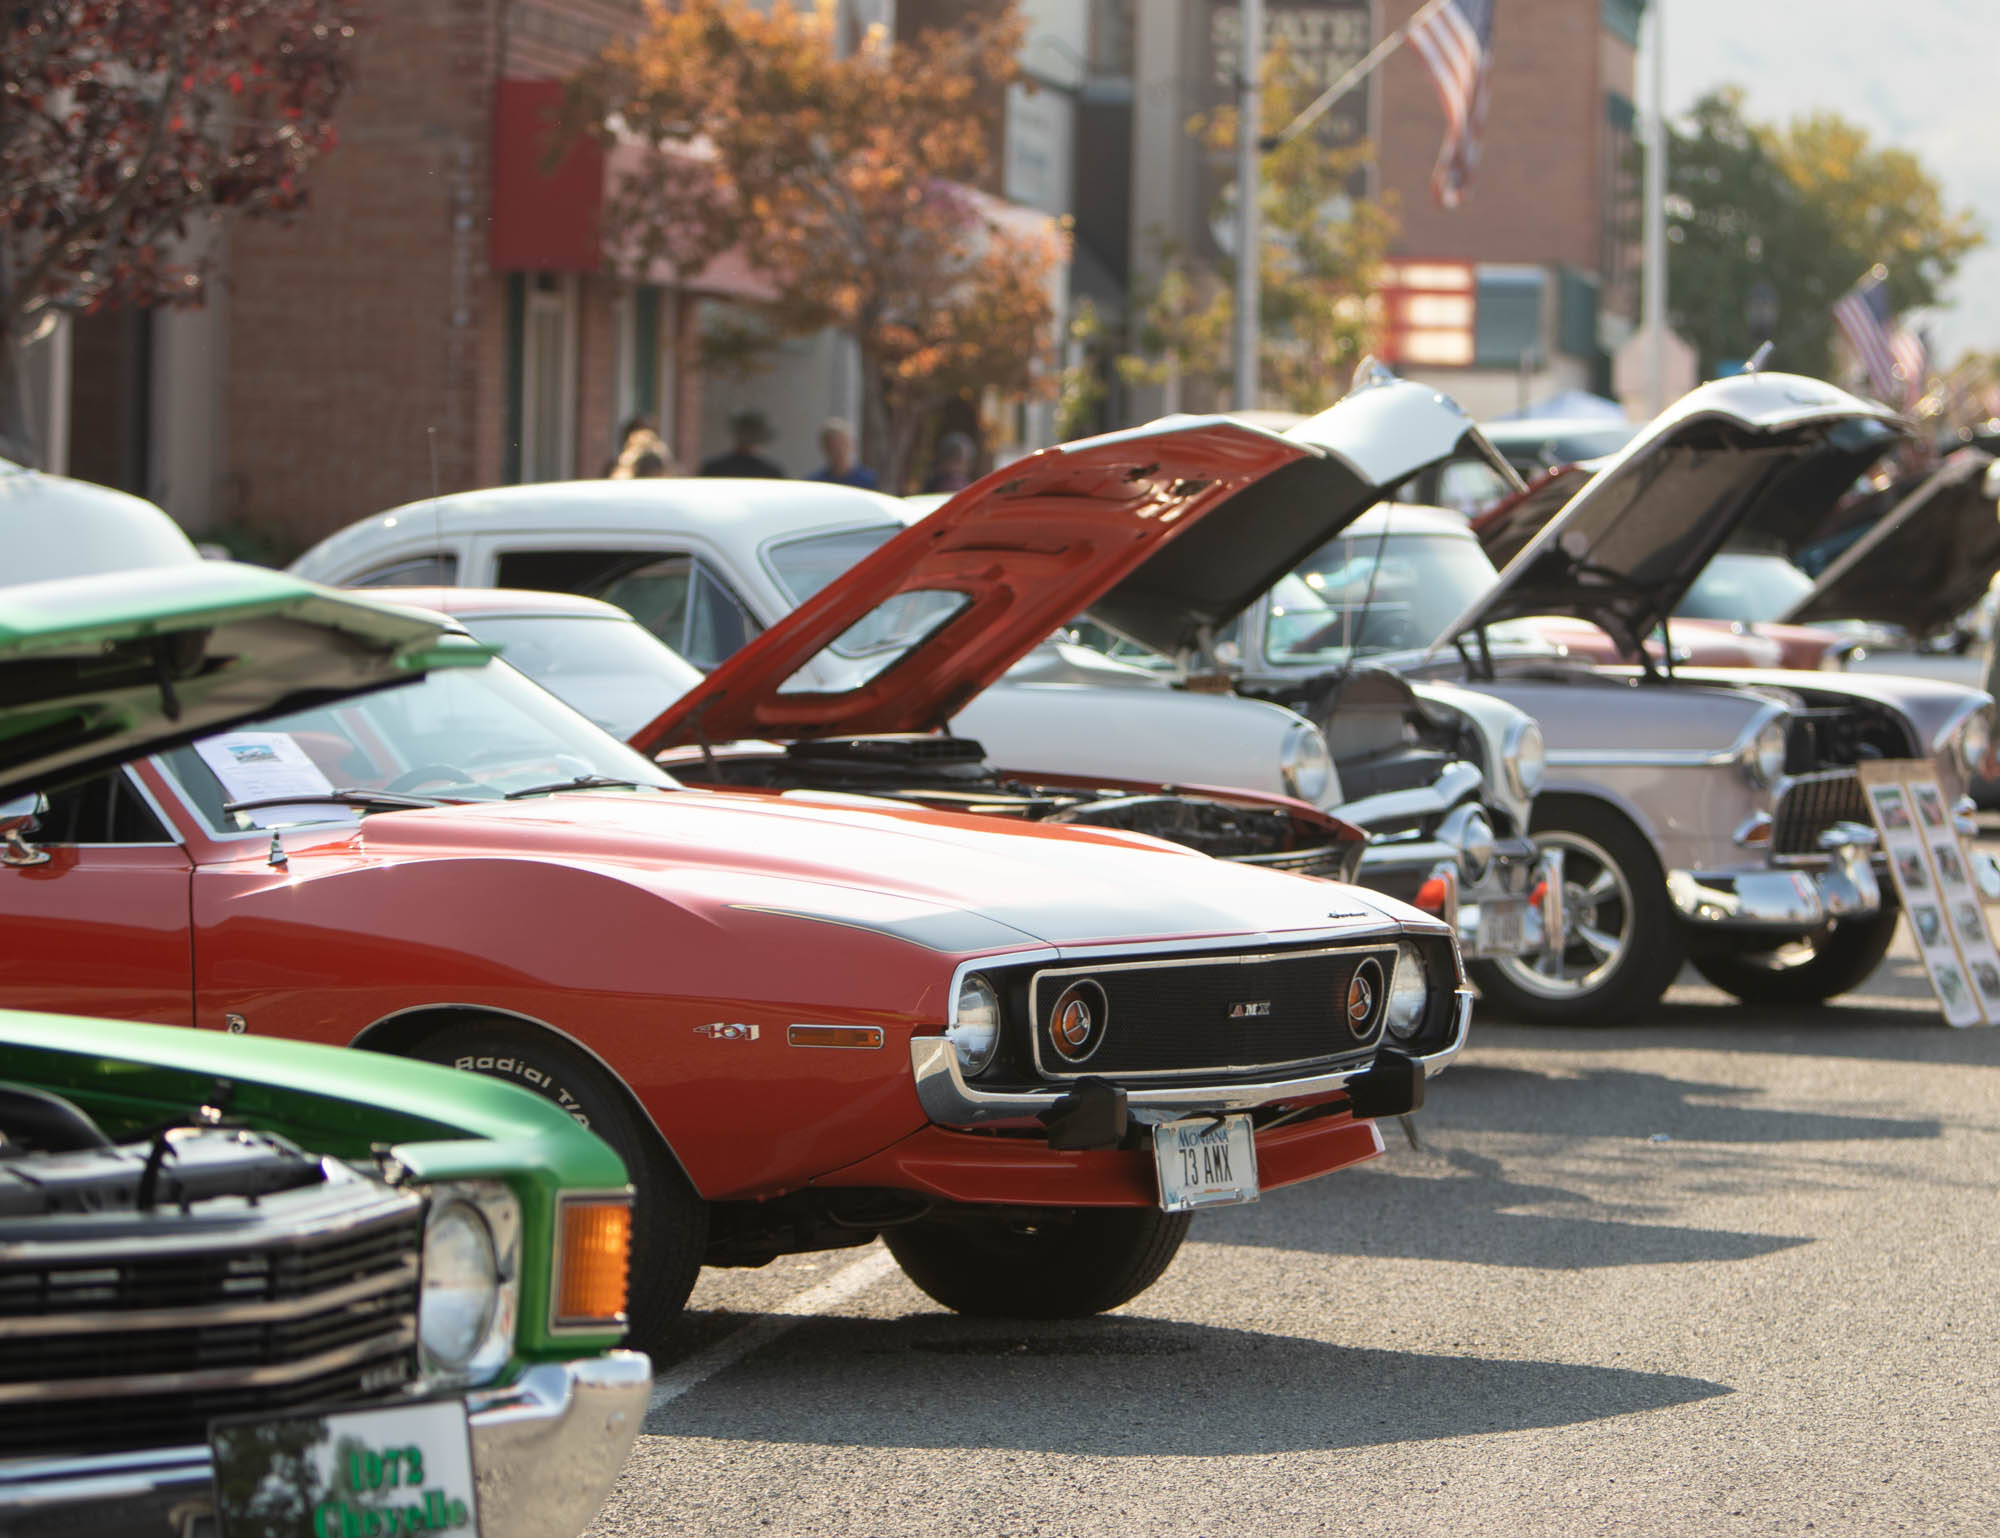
1721	1273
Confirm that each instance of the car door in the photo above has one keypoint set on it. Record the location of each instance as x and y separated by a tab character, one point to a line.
99	927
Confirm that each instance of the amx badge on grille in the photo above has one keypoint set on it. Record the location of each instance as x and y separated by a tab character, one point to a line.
1256	1010
1076	1024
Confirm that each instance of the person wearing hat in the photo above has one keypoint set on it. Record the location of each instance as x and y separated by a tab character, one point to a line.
836	441
747	430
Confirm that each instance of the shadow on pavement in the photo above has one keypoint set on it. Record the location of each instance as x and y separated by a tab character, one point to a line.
1371	1212
1633	1106
1123	1386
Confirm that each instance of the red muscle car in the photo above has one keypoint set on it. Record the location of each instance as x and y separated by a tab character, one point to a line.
1023	1054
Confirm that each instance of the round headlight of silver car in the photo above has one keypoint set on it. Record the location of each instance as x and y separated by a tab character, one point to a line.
461	1291
1975	742
1409	993
1765	761
1526	759
975	1033
1306	764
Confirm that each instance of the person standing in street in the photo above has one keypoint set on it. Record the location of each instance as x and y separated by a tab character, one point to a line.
836	442
748	431
953	468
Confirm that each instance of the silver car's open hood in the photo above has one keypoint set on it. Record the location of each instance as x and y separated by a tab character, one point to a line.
1758	456
1925	563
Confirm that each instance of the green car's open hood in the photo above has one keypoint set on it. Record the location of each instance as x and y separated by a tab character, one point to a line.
96	671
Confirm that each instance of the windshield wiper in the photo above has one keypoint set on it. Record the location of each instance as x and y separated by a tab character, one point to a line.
580	782
372	800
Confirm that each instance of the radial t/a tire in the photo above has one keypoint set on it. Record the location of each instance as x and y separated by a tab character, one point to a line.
669	1219
1801	972
1626	943
1066	1266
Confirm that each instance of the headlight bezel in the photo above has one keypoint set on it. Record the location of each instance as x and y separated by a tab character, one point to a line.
1765	753
965	1036
1305	762
1525	744
1409	989
494	1212
1469	832
1975	742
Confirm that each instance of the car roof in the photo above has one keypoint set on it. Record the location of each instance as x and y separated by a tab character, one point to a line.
695	504
497	602
100	530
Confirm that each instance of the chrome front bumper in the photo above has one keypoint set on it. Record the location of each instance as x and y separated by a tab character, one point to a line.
950	1101
546	1449
1785	900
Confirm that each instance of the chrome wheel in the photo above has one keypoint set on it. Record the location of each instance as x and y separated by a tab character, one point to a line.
1600	910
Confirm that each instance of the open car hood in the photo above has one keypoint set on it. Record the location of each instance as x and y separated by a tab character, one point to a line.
1925	563
1757	457
1505	529
95	671
1164	533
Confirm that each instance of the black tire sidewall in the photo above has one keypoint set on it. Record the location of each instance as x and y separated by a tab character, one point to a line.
1858	949
1089	1261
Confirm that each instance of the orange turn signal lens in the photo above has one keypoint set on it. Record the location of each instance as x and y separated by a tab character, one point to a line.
1432	894
591	1264
835	1035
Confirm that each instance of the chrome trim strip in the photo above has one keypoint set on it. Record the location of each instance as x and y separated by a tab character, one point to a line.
1235	959
1454	783
951	1102
196	1315
403	1338
1668	758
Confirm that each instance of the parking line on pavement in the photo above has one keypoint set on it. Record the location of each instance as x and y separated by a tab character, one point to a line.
731	1349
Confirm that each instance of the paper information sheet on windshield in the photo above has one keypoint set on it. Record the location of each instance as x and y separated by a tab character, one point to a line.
258	766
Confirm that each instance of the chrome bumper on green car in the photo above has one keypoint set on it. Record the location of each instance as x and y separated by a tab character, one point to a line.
546	1448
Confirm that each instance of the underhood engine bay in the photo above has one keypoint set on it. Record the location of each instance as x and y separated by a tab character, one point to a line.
951	774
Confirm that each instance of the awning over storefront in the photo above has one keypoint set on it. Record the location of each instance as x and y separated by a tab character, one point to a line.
547	216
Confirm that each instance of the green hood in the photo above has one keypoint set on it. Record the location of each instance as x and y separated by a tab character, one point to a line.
96	671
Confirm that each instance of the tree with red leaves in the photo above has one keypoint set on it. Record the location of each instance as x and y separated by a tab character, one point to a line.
126	123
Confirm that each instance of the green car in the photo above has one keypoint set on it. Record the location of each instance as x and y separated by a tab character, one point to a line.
254	1286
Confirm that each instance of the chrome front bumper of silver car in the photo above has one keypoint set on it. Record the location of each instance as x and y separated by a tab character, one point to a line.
1794	898
950	1100
546	1448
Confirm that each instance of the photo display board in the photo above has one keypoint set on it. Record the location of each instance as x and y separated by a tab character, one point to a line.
1932	869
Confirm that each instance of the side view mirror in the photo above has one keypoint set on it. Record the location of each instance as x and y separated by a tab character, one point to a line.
18	818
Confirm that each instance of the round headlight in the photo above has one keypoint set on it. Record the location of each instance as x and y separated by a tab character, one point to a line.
1306	765
975	1033
1409	993
1765	762
1975	742
461	1285
1527	759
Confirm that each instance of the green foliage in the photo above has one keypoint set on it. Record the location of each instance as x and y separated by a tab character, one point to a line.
1806	209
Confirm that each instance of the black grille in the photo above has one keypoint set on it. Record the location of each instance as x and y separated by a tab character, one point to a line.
1174	1017
346	1303
1811	804
1326	860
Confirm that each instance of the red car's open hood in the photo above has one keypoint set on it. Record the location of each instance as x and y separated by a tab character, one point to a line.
1118	525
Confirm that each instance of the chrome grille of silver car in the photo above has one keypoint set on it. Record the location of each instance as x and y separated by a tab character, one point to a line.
1812	803
137	1330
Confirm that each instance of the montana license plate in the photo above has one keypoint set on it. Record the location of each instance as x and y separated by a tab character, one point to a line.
349	1474
1208	1161
1503	927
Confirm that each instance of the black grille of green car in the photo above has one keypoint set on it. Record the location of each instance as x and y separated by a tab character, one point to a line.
1329	860
124	1340
1811	804
1217	1014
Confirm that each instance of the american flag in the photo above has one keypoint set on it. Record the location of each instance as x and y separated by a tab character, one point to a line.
1894	356
1456	42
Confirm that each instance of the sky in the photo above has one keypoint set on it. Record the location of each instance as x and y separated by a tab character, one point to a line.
1923	76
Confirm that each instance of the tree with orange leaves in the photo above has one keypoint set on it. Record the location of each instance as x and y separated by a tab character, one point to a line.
847	182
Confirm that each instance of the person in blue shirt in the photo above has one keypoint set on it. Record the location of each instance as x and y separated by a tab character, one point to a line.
836	441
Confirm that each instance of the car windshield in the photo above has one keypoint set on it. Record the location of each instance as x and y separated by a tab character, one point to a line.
1371	593
472	734
1746	587
805	565
614	671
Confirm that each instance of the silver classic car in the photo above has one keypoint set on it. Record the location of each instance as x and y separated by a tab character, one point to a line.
1714	816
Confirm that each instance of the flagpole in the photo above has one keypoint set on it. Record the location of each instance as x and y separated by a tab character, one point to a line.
1369	63
1653	282
1249	195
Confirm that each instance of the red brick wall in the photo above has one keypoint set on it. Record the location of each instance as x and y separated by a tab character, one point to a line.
1535	197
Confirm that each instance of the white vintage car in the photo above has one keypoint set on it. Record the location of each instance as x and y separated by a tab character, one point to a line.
1446	787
